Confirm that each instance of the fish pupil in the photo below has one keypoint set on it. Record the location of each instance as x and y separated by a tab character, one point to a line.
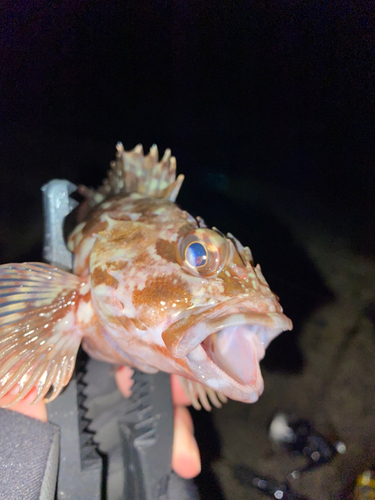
196	255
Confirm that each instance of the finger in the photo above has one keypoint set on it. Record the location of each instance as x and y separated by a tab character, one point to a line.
124	380
185	454
178	394
37	411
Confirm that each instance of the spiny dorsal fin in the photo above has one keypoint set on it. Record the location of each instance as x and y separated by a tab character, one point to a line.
133	172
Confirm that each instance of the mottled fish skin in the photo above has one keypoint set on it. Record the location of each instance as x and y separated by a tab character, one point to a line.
161	291
147	302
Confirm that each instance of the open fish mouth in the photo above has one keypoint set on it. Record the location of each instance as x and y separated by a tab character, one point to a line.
230	347
224	352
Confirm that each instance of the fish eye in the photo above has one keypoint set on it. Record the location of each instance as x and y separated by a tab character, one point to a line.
196	254
202	252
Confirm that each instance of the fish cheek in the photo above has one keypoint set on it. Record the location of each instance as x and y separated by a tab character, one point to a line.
232	284
160	298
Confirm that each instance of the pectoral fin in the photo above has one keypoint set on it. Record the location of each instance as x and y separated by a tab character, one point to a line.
39	338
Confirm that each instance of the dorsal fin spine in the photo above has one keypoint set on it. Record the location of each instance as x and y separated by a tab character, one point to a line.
133	172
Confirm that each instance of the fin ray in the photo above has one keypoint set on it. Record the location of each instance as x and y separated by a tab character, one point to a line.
133	172
39	339
25	389
16	376
44	386
200	395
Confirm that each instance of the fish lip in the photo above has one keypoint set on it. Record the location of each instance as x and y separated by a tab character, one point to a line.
189	345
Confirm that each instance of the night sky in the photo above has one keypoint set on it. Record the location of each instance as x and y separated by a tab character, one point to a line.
283	92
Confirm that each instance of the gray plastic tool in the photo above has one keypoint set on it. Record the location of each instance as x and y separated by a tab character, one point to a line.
146	425
57	204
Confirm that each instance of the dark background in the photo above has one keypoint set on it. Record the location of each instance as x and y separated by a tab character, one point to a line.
281	93
251	97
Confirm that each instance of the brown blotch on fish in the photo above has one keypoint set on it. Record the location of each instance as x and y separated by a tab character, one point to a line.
142	258
102	277
232	284
148	206
166	250
118	265
126	234
138	324
159	296
174	333
94	225
117	215
126	322
87	297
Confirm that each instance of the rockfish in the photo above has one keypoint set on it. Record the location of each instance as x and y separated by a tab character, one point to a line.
152	288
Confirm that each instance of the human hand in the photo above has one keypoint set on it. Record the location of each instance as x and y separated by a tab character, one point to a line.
38	411
185	453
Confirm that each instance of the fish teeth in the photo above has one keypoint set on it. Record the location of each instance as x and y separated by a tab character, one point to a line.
201	395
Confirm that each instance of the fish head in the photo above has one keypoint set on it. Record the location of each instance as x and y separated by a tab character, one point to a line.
191	294
235	315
